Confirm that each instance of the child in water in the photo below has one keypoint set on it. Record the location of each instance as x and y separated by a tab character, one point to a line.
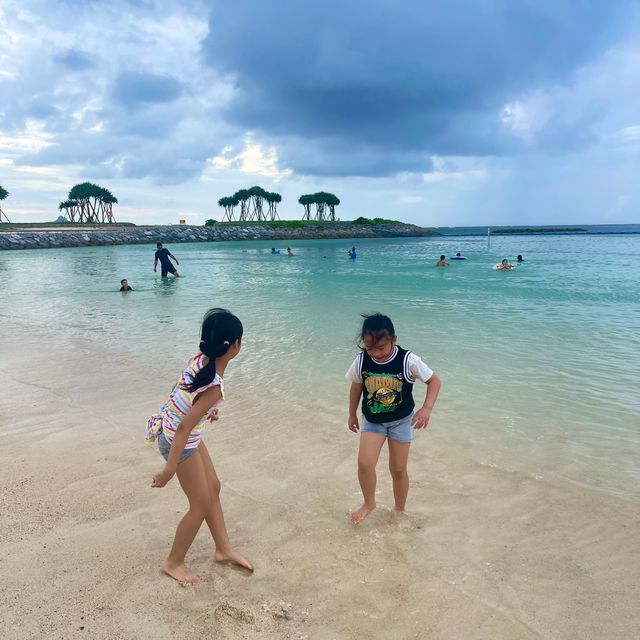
504	265
178	429
383	375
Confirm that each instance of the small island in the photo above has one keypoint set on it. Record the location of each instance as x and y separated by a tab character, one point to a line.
534	230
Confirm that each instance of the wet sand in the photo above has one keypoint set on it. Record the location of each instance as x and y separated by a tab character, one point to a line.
485	553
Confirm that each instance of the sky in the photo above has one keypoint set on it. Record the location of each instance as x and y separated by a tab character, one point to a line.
464	113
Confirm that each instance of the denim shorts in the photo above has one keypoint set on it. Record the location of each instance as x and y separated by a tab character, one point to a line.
399	430
165	446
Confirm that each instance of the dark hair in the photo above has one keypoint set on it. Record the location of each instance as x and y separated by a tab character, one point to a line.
441	257
122	281
377	326
220	329
158	244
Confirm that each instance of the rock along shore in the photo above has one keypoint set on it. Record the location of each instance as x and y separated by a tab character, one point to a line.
170	234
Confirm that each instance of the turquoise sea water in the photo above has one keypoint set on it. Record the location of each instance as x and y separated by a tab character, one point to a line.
540	365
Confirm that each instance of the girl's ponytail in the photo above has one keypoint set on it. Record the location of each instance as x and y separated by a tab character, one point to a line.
220	329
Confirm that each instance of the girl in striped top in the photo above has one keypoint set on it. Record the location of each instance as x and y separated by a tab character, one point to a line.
178	429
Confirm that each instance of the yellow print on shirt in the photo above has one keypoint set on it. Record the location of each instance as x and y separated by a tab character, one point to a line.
384	391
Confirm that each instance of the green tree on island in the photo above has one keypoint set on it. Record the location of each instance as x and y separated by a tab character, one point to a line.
228	203
251	203
90	202
322	200
3	194
273	199
70	209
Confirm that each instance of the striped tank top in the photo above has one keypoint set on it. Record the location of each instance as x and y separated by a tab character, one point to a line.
178	405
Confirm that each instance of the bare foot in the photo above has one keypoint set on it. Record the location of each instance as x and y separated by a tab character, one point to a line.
358	516
182	574
396	516
232	557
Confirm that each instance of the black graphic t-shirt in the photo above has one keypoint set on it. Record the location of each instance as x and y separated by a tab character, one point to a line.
387	393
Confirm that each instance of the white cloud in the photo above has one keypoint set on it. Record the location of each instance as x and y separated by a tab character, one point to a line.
528	115
253	159
630	134
32	139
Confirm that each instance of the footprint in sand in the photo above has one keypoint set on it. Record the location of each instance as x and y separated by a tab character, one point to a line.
225	611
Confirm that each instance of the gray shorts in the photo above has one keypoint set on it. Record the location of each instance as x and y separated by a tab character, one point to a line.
399	430
165	446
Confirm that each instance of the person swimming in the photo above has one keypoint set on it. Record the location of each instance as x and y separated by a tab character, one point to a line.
504	265
520	258
458	256
275	251
442	262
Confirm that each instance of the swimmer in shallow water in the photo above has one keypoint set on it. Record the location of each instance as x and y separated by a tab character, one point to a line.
290	253
274	250
520	258
504	265
352	253
124	285
458	256
442	262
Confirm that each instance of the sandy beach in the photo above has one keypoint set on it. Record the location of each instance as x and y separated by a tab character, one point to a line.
484	553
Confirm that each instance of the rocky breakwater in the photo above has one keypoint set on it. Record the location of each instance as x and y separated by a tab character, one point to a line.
47	238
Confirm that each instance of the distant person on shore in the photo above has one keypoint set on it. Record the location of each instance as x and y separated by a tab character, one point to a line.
352	253
163	255
124	285
290	253
383	375
178	429
442	262
504	265
520	258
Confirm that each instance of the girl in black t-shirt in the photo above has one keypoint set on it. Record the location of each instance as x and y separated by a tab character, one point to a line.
383	375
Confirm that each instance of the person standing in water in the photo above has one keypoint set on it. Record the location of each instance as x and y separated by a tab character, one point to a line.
442	262
352	253
164	256
124	285
383	375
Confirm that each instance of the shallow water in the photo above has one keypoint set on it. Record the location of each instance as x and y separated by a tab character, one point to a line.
539	365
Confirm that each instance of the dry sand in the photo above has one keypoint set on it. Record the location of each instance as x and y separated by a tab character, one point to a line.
485	553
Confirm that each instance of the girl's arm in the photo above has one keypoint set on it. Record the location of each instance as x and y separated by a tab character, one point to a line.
203	403
421	417
354	399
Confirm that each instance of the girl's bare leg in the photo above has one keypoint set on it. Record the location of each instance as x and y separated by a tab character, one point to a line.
215	518
398	456
191	474
370	446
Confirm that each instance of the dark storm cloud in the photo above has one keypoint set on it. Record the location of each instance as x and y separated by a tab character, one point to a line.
135	88
401	79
